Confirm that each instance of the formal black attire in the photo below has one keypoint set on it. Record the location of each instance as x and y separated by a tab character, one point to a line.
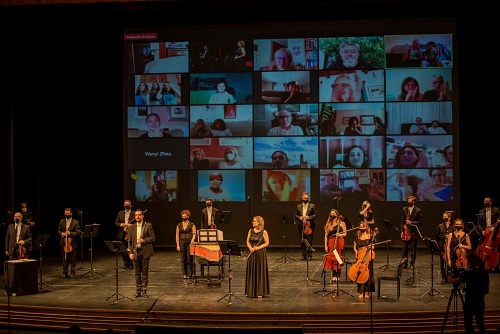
307	209
123	217
442	233
257	273
207	219
369	285
185	237
11	239
416	220
142	254
476	281
73	226
486	219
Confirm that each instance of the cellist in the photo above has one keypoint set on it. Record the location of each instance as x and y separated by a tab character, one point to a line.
69	230
363	239
335	231
457	246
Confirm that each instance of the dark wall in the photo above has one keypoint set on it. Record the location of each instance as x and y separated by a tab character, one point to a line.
61	64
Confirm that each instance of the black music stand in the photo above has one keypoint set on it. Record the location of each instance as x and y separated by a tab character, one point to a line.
116	247
82	267
90	231
412	279
285	220
388	227
230	248
432	247
38	244
221	218
307	280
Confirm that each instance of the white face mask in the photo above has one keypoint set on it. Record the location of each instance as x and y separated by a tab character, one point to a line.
23	210
230	156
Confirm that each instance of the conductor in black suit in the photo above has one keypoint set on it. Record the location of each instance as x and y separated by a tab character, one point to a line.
69	230
208	215
140	250
411	218
18	235
122	222
306	213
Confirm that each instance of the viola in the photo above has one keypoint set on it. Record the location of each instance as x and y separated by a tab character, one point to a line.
307	230
125	230
488	250
67	243
21	252
406	234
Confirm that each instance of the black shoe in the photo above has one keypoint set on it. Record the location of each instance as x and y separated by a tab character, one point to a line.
65	276
137	294
145	294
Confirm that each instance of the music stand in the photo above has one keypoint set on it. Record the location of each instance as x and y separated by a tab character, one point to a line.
388	227
82	267
222	217
116	247
307	280
285	220
412	279
38	244
432	247
91	231
230	248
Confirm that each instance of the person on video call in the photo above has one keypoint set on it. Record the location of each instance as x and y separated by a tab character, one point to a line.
279	187
231	160
279	160
199	160
240	56
353	128
349	53
410	90
283	60
142	94
214	190
221	96
418	128
330	191
347	89
440	90
435	129
293	94
219	129
169	95
208	215
285	128
200	129
306	214
155	130
355	157
430	57
409	156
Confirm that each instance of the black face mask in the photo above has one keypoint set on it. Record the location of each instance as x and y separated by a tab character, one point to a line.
185	219
332	217
68	217
305	201
486	205
445	220
127	207
209	204
458	228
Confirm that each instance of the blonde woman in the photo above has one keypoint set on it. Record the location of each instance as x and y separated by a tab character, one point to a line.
257	274
335	231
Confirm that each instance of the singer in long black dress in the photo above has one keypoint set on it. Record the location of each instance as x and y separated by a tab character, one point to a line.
257	274
185	234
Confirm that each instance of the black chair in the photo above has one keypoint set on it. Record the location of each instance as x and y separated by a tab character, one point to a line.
392	276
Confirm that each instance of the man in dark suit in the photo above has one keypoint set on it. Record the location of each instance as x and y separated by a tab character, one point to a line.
487	217
411	218
140	250
208	215
18	235
306	213
69	230
122	222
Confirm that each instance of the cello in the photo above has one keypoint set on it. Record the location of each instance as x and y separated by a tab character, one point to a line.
488	251
333	260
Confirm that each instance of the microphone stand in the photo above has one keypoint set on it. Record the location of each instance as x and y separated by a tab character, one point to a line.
81	242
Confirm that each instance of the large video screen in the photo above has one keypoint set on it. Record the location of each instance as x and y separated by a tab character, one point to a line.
348	112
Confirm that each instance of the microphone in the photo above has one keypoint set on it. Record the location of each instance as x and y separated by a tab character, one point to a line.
80	212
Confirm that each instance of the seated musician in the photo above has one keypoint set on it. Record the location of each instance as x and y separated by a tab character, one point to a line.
457	246
17	239
335	231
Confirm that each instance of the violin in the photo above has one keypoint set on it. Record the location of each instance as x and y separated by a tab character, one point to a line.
307	227
125	230
406	234
67	243
21	251
461	258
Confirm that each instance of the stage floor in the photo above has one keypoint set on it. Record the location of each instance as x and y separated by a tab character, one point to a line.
297	287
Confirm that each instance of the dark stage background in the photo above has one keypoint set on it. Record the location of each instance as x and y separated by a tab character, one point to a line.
61	99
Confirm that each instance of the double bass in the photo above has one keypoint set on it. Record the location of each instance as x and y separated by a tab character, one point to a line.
488	250
333	260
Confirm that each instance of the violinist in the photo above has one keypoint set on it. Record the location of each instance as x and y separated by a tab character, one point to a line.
306	213
363	241
443	230
69	230
18	239
411	218
123	220
366	214
457	246
335	232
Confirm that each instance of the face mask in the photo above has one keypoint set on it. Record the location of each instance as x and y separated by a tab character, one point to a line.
209	204
127	207
68	217
486	205
230	156
445	220
458	228
184	219
23	210
332	217
362	229
305	201
16	220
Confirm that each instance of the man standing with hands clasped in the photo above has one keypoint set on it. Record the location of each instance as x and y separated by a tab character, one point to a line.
411	218
208	215
306	213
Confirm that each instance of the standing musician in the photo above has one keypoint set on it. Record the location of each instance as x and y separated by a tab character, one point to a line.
335	231
444	229
363	246
208	215
69	230
140	250
306	213
366	214
457	247
122	222
18	239
185	234
488	218
411	218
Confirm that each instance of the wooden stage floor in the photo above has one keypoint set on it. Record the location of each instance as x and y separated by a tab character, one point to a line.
299	290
